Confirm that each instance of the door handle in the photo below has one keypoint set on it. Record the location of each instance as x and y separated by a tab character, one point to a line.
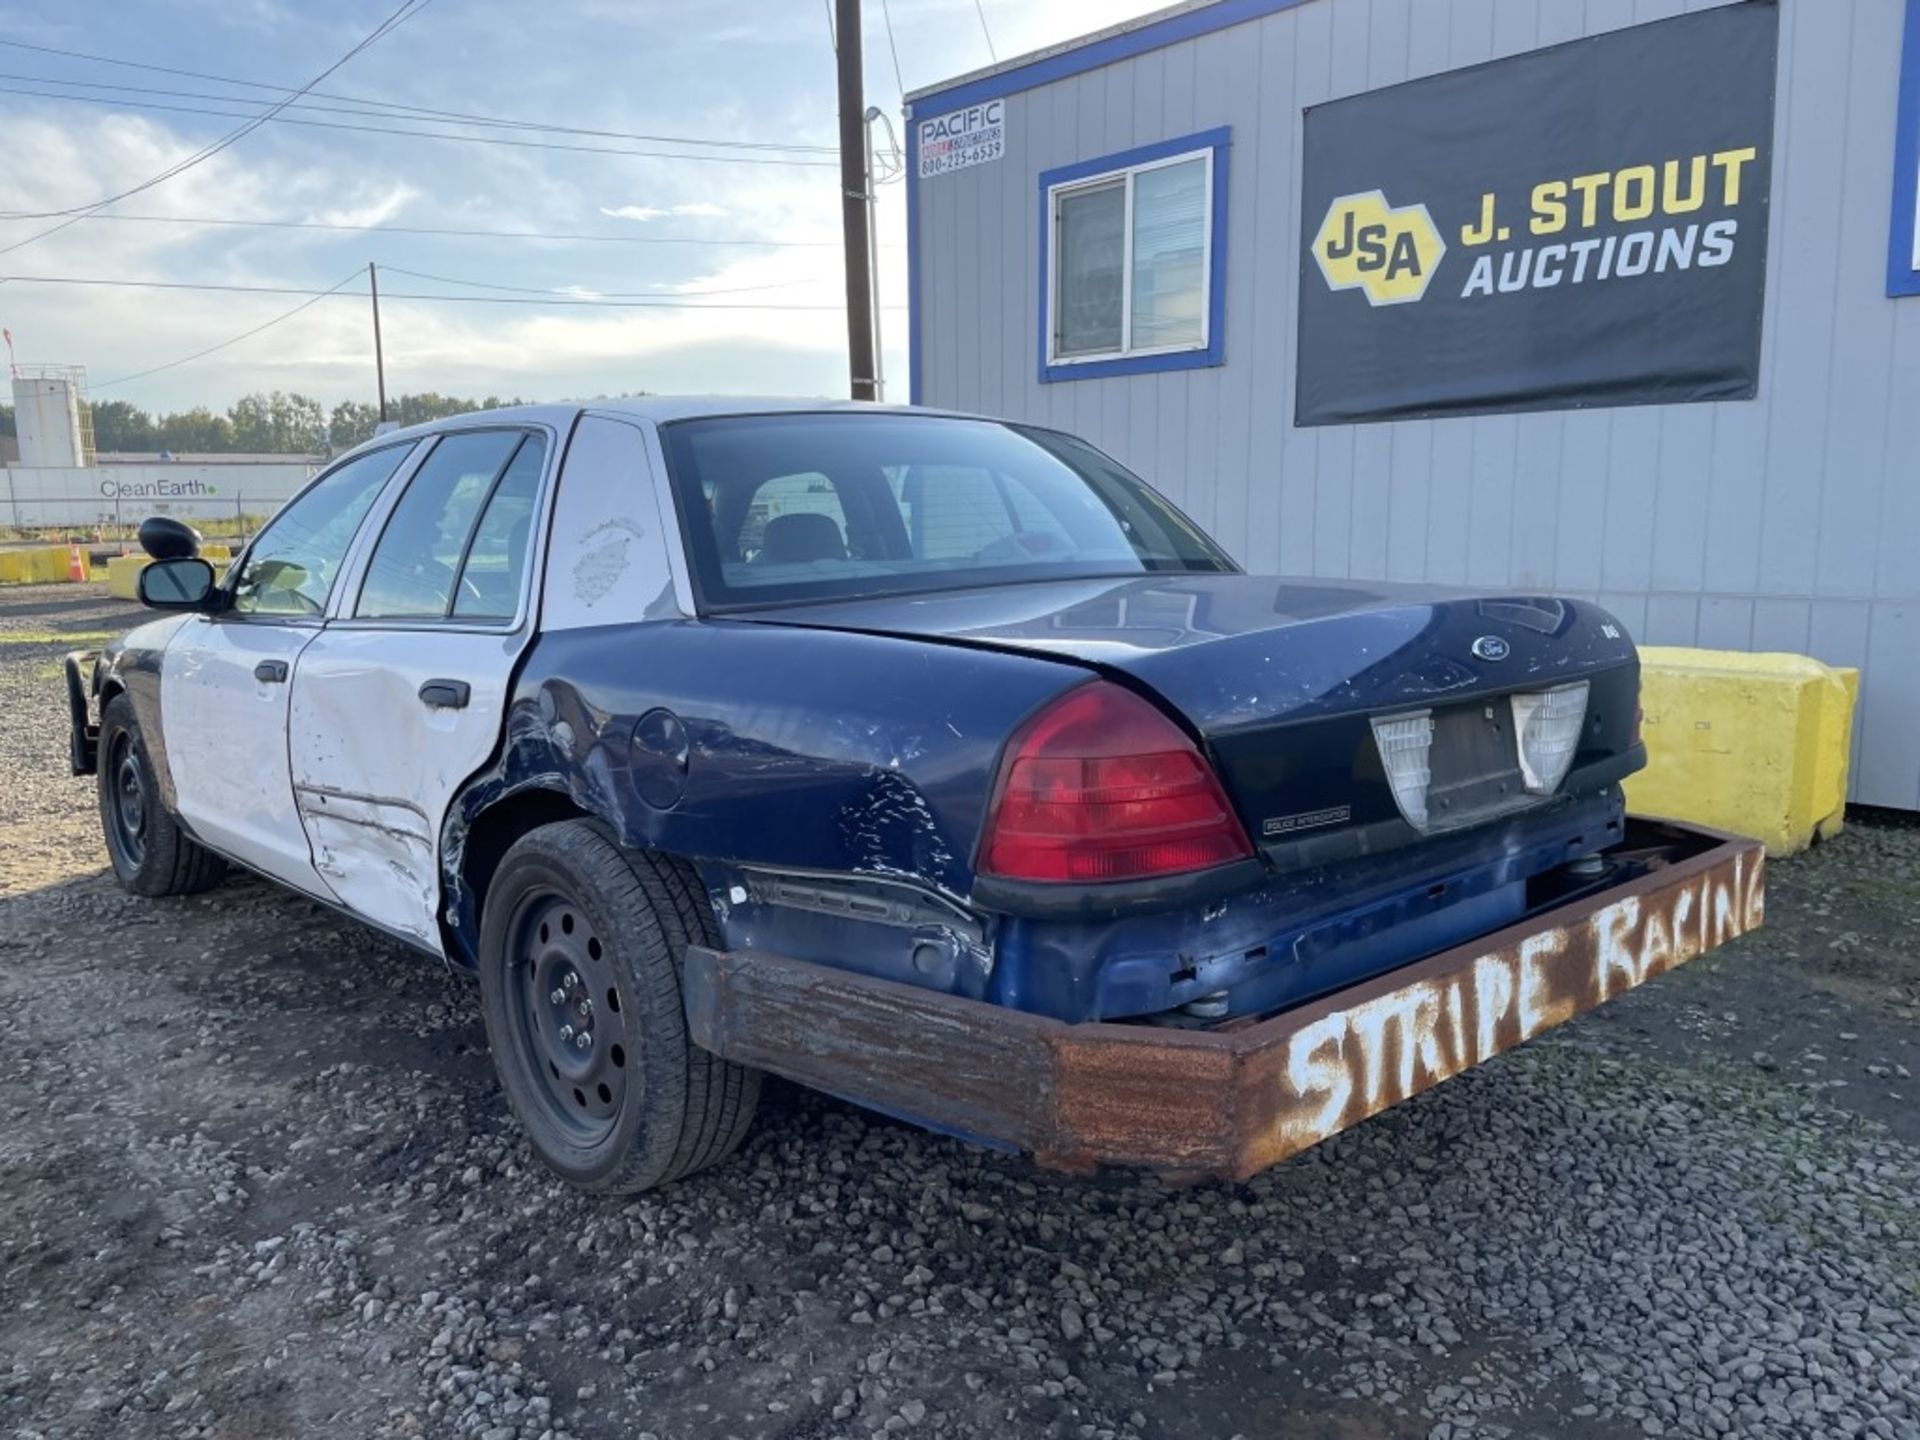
271	672
446	694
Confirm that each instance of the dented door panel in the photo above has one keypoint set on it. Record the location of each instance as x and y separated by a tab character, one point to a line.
375	766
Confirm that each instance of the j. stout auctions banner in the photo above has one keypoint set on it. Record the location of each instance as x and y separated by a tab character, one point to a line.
1583	225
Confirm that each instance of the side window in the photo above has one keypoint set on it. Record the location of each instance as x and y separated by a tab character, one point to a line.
497	559
292	566
794	518
413	571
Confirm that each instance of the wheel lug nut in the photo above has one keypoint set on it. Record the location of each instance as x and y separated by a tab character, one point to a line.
570	983
582	1040
558	997
566	1033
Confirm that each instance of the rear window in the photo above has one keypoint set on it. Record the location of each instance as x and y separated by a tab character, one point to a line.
782	508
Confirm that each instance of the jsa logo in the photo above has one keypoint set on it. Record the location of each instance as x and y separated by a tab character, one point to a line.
1367	244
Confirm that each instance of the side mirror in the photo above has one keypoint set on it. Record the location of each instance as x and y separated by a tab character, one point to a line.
165	538
183	583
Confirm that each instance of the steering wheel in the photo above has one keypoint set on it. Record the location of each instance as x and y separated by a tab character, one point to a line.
276	582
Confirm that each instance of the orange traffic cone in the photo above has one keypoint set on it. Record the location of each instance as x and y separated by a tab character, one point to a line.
76	564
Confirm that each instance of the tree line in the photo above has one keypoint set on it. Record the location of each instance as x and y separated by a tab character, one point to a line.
277	423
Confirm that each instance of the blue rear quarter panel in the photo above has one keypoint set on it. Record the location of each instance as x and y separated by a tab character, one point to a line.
808	750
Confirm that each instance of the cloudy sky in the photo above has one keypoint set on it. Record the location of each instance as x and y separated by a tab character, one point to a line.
756	71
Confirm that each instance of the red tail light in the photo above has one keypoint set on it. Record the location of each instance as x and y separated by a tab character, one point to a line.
1101	786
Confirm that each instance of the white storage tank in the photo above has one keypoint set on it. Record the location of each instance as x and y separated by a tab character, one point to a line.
46	410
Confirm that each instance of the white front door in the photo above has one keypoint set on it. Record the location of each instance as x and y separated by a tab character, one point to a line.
223	711
226	679
403	696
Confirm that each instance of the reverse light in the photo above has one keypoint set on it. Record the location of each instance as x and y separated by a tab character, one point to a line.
1404	742
1547	724
1100	786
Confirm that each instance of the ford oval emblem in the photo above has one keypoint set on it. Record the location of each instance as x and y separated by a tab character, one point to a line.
1492	647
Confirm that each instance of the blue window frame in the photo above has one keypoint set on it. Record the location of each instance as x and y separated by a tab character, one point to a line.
1133	260
1903	245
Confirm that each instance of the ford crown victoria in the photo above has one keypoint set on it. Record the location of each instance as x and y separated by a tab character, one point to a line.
934	761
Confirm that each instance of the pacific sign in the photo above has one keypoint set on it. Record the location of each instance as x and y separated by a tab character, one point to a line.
975	135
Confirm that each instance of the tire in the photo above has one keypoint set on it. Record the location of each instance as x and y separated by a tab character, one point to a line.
580	937
151	854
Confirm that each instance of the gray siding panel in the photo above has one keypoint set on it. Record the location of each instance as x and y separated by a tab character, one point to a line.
1789	522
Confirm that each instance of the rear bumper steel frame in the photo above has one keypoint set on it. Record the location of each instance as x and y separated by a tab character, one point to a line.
1228	1102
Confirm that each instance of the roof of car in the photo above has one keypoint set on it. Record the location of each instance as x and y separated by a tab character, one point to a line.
657	408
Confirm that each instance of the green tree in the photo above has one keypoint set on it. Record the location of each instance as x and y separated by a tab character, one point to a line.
279	423
198	429
120	425
351	422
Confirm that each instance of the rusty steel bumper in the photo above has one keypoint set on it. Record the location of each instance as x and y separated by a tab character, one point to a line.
1229	1101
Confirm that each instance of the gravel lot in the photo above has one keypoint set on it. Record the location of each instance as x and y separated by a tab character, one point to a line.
256	1180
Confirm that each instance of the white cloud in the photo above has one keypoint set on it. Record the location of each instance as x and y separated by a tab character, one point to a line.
736	343
373	211
704	209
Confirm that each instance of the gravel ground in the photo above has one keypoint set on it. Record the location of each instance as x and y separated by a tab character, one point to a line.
256	1180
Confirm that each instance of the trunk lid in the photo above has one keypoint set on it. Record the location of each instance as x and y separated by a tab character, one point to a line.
1281	679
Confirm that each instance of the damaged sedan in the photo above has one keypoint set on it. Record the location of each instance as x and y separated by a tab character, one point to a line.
933	761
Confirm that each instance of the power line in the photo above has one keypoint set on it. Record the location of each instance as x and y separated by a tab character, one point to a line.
243	335
407	10
981	10
391	107
556	302
886	15
383	112
280	119
327	225
593	293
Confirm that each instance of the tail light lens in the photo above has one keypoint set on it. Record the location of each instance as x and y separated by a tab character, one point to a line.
1548	723
1406	743
1100	786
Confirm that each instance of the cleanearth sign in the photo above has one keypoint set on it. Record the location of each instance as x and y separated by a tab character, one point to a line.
1581	225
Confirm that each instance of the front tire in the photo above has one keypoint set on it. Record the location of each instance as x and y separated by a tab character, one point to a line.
151	854
580	950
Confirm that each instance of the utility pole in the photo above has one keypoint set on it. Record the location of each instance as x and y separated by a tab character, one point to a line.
853	199
379	360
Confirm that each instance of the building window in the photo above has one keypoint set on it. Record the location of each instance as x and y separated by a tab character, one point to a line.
1135	260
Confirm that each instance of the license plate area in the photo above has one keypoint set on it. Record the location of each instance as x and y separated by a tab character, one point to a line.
1475	765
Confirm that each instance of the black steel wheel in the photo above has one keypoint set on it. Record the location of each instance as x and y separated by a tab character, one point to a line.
124	794
568	1015
151	854
580	950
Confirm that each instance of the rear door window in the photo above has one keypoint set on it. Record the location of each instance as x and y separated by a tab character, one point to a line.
418	567
496	562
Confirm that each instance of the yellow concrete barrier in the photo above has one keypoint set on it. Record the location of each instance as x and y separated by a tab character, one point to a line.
41	565
123	571
1755	744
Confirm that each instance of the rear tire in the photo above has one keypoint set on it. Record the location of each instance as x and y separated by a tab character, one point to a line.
151	854
580	951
